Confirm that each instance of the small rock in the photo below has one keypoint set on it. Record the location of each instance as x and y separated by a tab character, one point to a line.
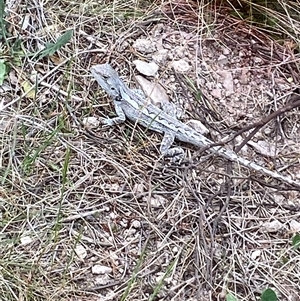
113	215
255	254
295	226
161	56
91	122
148	69
156	201
273	226
227	81
217	93
138	188
181	66
226	51
244	78
136	224
222	59
257	60
144	46
101	269
179	51
80	252
25	240
129	233
175	249
102	280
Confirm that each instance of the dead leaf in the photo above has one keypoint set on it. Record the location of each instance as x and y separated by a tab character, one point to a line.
29	87
155	91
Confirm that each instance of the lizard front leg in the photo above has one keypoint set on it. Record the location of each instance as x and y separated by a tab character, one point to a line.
174	153
116	120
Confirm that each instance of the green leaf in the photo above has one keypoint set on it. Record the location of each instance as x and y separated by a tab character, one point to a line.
230	297
268	295
52	48
2	71
296	241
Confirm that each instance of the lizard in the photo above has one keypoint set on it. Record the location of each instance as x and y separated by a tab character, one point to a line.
132	105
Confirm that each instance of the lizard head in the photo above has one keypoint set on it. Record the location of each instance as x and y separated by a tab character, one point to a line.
107	78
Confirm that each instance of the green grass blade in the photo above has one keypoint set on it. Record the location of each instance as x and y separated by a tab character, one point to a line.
51	48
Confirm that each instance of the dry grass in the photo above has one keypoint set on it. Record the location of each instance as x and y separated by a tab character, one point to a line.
72	199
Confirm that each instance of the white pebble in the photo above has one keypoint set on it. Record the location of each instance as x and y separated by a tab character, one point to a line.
101	269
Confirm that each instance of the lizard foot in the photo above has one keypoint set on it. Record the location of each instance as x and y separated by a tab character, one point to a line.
105	122
174	154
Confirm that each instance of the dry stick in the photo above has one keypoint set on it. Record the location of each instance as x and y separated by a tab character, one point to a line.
295	102
34	86
258	125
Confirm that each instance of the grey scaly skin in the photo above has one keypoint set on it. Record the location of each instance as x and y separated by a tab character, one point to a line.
130	104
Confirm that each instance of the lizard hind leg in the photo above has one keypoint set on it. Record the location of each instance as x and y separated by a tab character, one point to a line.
174	153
